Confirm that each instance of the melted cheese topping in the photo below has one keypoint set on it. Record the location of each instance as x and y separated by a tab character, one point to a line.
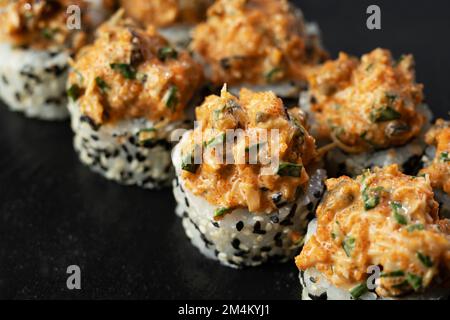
241	184
42	24
254	41
383	218
162	13
129	73
369	103
439	169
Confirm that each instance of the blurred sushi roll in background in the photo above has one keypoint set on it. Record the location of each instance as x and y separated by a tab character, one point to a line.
128	92
257	44
436	163
173	18
370	109
381	220
35	46
233	210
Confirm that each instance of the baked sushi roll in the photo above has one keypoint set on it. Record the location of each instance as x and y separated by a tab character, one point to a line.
371	109
378	236
128	91
35	46
257	44
237	207
437	163
174	18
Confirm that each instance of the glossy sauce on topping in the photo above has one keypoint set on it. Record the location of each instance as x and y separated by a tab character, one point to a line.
42	24
382	218
439	169
130	72
367	104
162	13
254	41
241	184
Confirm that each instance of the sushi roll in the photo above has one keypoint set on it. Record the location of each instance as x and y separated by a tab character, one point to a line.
437	163
376	237
370	109
173	18
237	207
128	91
257	44
35	46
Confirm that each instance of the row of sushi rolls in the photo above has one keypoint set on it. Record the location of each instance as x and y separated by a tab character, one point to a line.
363	178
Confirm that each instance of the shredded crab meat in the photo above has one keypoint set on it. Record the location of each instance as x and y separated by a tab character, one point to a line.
382	218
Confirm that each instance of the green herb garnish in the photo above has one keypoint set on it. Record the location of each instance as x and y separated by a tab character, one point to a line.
414	281
101	84
348	245
415	227
371	197
126	70
220	139
426	260
221	212
74	92
359	290
444	157
167	53
270	75
384	114
400	218
392	274
171	97
187	164
287	169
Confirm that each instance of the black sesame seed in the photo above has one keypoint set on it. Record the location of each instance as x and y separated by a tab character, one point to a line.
317	194
130	159
94	137
236	243
5	80
239	226
18	97
215	224
187	202
257	228
140	157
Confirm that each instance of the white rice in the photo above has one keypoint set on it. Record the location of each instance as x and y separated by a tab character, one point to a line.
113	150
34	82
243	238
315	286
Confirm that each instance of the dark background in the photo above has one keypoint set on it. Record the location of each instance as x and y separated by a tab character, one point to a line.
54	212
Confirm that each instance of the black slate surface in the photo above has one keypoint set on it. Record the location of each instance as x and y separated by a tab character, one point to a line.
54	212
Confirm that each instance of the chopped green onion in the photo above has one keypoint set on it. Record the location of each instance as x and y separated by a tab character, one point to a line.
287	169
414	281
255	147
444	157
359	290
74	92
270	75
171	98
392	274
348	245
391	97
221	212
384	114
219	139
187	164
167	53
126	70
415	227
426	260
400	218
101	84
48	33
371	197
